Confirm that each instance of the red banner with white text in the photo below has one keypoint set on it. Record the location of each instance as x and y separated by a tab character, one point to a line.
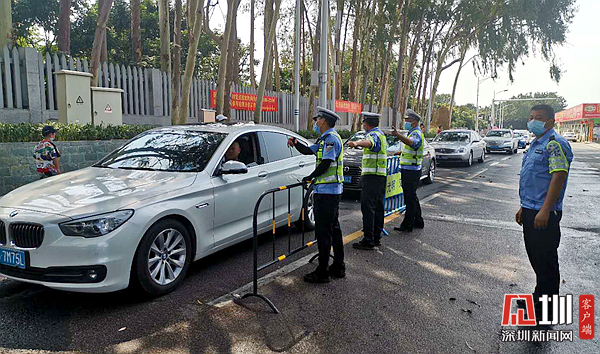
347	106
246	101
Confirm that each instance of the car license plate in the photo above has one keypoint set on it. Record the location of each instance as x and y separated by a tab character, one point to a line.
13	258
495	147
347	179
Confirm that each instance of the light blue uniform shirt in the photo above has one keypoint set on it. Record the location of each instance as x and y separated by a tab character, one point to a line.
328	154
413	135
544	157
376	141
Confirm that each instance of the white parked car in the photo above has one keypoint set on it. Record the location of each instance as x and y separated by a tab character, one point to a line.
570	136
501	140
147	210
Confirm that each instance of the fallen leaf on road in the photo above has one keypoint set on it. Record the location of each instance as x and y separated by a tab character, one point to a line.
564	281
570	196
468	311
473	302
199	302
122	329
467	343
513	284
585	190
452	299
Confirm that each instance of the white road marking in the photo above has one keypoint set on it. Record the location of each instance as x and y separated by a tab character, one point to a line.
478	173
431	197
506	158
495	163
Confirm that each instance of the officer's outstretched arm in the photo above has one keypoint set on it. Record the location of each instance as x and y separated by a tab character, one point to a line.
303	149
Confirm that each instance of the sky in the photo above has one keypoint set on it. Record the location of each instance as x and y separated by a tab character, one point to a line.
579	59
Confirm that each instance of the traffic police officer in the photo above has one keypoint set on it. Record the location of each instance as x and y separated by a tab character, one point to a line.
410	165
542	185
328	185
373	181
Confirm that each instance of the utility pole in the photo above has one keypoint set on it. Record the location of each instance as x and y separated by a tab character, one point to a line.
493	116
477	104
430	108
323	67
297	68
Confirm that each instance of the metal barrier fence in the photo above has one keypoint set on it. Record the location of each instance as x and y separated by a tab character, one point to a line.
275	259
395	202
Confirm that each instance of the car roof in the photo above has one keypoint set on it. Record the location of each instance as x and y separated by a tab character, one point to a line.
225	128
456	131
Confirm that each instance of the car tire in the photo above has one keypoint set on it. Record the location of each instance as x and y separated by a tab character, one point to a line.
482	157
151	269
516	150
430	173
309	220
469	162
510	152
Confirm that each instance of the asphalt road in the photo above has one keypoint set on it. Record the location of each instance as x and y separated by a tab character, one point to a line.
394	300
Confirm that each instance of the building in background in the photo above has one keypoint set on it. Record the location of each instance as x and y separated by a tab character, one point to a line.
582	120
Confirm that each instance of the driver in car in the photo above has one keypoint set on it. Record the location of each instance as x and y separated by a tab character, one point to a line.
233	153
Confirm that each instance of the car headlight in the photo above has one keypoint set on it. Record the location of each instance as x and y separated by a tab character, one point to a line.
97	225
508	143
461	150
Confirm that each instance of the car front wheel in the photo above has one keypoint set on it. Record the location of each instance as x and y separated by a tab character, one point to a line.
163	257
482	157
469	162
309	214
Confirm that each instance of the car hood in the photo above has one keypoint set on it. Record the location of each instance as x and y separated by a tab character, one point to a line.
94	190
449	144
497	140
353	156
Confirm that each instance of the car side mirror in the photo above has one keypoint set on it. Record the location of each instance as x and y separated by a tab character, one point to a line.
234	168
475	141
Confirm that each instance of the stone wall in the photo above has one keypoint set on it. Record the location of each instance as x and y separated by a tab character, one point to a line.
17	166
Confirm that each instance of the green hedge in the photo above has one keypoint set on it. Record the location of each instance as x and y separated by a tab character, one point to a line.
32	132
311	134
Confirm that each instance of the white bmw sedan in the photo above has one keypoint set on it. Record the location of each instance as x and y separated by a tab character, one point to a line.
142	214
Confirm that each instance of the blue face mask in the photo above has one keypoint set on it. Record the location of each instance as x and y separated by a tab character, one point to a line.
536	127
316	128
407	126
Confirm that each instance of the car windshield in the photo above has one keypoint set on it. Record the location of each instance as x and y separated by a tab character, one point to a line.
452	137
165	150
518	135
500	133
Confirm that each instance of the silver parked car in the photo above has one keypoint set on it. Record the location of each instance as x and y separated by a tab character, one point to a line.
147	210
458	145
501	140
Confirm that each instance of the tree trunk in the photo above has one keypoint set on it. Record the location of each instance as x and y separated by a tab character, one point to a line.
412	62
221	83
176	79
252	75
263	76
399	70
165	38
463	52
104	53
354	64
136	35
277	67
316	43
194	30
98	40
64	27
384	94
374	80
268	16
232	64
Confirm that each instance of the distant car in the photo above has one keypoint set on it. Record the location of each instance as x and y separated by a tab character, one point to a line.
459	145
570	136
528	136
353	160
503	140
522	139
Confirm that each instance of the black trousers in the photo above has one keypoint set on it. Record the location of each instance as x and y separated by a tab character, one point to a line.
412	215
327	230
372	198
542	249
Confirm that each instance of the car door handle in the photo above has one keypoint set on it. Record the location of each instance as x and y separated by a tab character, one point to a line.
263	174
302	164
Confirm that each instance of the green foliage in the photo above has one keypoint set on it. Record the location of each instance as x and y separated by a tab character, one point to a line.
32	132
516	113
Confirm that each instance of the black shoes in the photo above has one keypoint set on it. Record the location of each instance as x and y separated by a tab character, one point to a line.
420	226
337	271
403	228
361	245
318	277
